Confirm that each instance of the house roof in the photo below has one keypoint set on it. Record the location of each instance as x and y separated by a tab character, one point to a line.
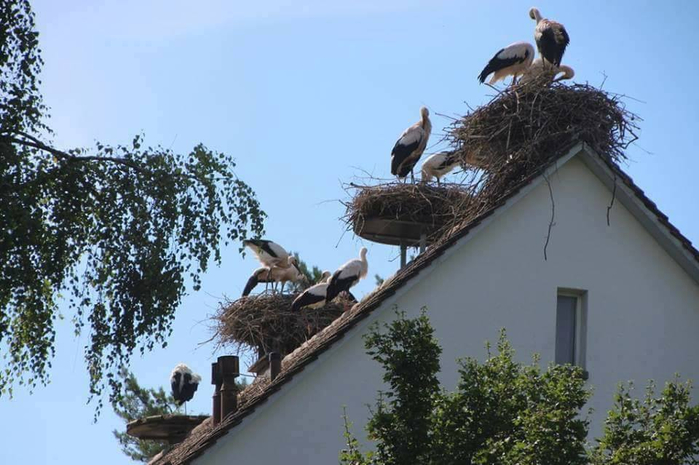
254	396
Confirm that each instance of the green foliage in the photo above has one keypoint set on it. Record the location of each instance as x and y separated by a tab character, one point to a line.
137	403
502	412
507	413
312	275
651	431
120	232
402	422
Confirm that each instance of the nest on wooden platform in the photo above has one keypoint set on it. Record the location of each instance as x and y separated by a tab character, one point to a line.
421	203
523	128
265	322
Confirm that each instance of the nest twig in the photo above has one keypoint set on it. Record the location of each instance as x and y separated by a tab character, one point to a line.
265	322
523	128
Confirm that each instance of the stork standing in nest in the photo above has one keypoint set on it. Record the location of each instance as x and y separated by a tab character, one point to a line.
552	72
269	253
347	276
314	296
410	145
512	60
438	165
184	383
551	38
274	275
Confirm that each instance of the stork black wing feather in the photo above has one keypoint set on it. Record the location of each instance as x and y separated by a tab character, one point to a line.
307	298
552	43
399	154
496	64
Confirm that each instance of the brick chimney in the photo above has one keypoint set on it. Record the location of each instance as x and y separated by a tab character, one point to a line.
275	365
229	370
216	380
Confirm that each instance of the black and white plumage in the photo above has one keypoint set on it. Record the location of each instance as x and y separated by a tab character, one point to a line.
509	61
268	253
348	275
274	275
538	69
410	145
438	165
551	38
314	296
184	383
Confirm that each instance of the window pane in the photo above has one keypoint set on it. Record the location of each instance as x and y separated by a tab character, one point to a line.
565	329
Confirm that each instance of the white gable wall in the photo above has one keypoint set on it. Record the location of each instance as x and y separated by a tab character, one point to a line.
643	317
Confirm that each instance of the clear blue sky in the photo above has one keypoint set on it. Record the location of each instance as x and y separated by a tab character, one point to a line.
304	93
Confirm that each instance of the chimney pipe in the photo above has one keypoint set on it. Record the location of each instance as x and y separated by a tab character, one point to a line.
229	370
275	365
216	381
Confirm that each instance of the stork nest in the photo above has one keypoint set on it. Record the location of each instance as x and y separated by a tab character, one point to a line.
422	203
265	322
523	128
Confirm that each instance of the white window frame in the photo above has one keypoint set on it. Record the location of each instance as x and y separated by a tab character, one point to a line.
581	313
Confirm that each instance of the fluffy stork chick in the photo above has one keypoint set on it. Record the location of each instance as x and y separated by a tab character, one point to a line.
184	383
540	68
509	61
551	38
347	275
314	296
438	165
410	145
274	275
268	253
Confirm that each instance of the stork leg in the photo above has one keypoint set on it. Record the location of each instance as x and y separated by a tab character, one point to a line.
412	177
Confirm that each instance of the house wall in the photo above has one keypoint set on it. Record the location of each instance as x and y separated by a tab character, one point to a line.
643	318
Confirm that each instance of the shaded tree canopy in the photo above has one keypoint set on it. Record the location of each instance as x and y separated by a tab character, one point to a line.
507	413
119	232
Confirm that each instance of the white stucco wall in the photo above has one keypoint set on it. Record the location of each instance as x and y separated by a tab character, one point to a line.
643	318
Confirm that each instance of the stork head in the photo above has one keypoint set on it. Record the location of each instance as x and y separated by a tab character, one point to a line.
325	276
568	73
424	112
535	14
426	176
362	253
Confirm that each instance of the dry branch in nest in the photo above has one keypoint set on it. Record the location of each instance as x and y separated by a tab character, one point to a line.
266	323
426	204
522	129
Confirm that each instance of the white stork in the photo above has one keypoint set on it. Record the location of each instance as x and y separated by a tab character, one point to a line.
314	296
410	145
348	275
184	383
274	275
539	68
438	165
551	38
269	253
509	61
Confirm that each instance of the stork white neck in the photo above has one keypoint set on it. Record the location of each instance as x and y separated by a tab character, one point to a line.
535	15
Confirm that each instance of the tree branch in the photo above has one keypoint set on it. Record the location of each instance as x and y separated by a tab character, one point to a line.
37	144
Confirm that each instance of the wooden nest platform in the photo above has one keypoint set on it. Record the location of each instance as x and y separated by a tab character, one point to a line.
521	129
265	322
403	213
170	428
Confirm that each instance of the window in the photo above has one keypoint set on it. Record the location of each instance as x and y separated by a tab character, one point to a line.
571	327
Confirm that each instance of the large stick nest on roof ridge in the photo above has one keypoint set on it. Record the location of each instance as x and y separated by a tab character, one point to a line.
422	203
266	323
523	128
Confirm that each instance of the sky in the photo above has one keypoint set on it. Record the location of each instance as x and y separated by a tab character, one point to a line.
308	95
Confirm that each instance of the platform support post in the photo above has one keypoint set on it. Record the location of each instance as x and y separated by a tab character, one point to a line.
403	253
423	242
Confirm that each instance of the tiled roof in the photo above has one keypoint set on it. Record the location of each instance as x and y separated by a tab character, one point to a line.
205	435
